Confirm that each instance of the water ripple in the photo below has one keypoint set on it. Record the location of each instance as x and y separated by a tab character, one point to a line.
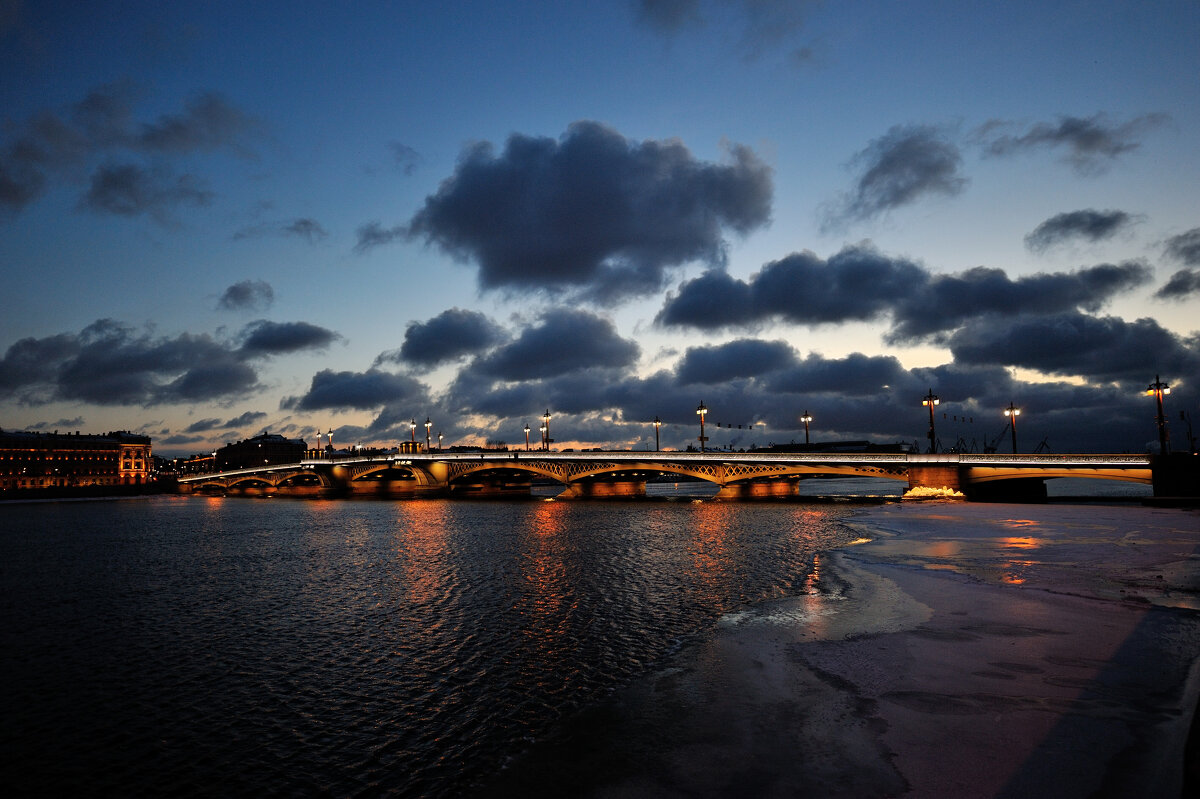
213	647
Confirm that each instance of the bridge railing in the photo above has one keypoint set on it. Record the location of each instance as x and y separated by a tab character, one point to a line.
676	457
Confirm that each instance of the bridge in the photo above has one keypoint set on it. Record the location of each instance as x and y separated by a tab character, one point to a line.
737	475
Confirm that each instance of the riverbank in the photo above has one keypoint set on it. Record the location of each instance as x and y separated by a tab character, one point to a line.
959	650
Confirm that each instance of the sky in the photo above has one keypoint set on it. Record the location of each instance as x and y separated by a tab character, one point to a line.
221	219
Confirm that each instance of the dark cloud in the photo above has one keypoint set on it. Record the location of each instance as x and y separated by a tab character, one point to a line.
1100	349
593	214
254	295
245	419
741	358
369	390
852	398
404	158
62	424
208	122
859	283
308	229
1182	285
1091	143
945	302
109	363
276	338
855	375
563	341
130	190
202	426
668	16
906	164
754	27
51	145
452	334
374	234
116	365
1089	224
1185	247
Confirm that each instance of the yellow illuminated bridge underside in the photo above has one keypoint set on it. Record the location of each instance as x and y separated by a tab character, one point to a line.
721	468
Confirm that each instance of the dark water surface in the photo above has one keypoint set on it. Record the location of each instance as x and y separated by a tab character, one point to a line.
232	647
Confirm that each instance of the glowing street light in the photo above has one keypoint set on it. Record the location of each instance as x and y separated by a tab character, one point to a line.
701	410
546	430
428	424
657	425
1012	412
931	400
439	442
806	419
1158	388
412	428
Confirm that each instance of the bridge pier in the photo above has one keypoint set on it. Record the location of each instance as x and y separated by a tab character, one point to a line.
935	475
759	489
1176	475
604	489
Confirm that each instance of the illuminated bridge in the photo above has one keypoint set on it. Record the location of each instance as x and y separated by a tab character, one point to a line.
625	473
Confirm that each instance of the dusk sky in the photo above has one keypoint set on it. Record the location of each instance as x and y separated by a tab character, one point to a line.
223	218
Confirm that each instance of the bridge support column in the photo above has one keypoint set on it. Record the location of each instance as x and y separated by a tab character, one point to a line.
604	489
1176	475
934	475
759	489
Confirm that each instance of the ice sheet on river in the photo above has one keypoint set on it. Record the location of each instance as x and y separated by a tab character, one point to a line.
966	650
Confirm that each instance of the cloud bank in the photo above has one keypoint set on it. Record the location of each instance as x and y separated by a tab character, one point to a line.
592	215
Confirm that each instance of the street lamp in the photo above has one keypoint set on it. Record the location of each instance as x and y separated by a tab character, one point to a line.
412	428
1158	388
428	424
546	429
526	438
701	410
931	400
657	425
806	419
439	442
1012	412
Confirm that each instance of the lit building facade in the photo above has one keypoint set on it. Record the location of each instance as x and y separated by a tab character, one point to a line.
53	460
260	450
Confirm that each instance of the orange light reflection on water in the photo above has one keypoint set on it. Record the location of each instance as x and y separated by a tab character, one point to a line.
710	549
545	591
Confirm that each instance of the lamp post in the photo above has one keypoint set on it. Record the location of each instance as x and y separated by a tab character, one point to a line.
526	438
806	419
1012	412
1158	388
412	428
701	410
439	442
428	441
546	429
657	426
931	400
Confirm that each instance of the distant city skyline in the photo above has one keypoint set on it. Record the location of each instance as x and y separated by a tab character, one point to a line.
218	220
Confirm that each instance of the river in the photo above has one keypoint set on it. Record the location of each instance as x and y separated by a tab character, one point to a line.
232	647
